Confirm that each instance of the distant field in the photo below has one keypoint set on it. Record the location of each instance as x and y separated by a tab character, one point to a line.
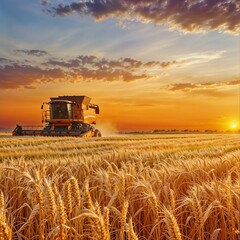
123	187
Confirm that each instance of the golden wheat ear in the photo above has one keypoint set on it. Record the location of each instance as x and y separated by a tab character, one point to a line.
172	225
131	234
5	230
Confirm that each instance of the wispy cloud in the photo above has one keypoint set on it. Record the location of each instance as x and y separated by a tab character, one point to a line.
103	63
202	57
186	16
33	52
44	2
24	73
189	86
214	89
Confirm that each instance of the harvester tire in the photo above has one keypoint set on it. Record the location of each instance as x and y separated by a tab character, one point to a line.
97	133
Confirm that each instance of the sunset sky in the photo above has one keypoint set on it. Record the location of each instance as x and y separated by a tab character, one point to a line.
163	64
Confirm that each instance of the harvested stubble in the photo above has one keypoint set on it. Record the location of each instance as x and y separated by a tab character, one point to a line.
132	187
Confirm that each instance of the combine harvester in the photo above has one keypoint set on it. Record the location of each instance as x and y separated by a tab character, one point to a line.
65	117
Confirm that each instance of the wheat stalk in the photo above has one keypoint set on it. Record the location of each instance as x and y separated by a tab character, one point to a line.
131	234
5	230
123	218
172	225
172	199
229	203
62	219
106	221
88	198
51	200
76	192
68	197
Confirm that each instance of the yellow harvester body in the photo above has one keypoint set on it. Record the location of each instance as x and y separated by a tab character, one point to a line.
65	117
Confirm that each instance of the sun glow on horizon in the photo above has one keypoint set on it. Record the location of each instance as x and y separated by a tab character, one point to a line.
234	125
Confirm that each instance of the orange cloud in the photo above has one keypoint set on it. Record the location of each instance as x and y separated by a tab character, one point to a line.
211	89
187	16
24	73
189	86
16	76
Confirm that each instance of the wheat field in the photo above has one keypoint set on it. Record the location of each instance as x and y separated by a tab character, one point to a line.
126	187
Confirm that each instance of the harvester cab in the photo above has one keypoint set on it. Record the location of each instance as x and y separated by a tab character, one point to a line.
64	116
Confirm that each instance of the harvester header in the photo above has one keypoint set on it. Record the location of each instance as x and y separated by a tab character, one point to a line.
65	117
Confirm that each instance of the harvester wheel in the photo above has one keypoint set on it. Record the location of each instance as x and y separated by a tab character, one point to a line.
97	133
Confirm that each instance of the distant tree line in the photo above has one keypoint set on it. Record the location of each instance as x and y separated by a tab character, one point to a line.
158	131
